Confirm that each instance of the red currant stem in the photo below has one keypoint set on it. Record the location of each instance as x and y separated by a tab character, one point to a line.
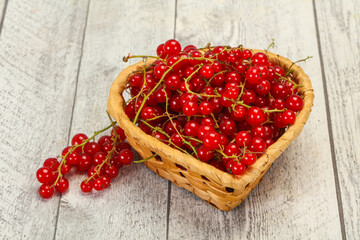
63	159
215	121
301	60
156	129
189	77
125	59
184	141
242	89
208	83
274	110
240	102
108	157
194	139
272	44
232	141
145	159
153	90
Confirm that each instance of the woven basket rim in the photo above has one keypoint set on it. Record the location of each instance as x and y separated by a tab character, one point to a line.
115	107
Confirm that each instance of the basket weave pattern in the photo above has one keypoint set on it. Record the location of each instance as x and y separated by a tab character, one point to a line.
220	189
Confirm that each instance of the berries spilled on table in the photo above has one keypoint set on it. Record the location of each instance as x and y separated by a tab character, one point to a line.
100	160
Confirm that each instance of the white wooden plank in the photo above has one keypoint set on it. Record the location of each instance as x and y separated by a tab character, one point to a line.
135	205
39	54
297	198
2	11
339	32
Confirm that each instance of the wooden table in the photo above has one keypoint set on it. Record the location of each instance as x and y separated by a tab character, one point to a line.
58	60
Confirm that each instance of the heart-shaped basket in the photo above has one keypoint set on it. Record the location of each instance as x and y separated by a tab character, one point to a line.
220	189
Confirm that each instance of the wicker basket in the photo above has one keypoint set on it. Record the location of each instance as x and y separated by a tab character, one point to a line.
220	189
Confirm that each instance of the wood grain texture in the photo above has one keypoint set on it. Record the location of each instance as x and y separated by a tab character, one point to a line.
39	55
339	31
2	12
135	205
297	198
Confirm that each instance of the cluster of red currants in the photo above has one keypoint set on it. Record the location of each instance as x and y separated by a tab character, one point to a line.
225	106
101	160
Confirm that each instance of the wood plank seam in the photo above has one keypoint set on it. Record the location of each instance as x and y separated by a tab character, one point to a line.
330	131
169	183
3	16
73	105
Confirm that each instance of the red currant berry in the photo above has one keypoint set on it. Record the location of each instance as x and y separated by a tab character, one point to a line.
253	75
106	181
243	138
172	81
207	71
172	47
238	168
86	187
46	191
255	116
104	139
204	154
51	163
203	130
99	158
62	185
259	58
111	171
91	148
278	103
227	127
84	162
246	54
257	145
212	140
288	117
78	139
294	103
238	112
278	90
160	51
190	108
125	156
45	175
73	158
65	168
98	184
205	108
249	159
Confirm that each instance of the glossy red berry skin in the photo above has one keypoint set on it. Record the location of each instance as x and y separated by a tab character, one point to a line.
191	128
99	158
227	127
257	145
111	171
249	159
62	185
238	168
172	47
294	103
259	58
78	139
98	184
125	156
204	154
203	130
104	139
51	163
212	140
73	158
243	138
207	71
45	175
86	187
288	117
255	116
106	181
190	108
84	162
65	168
46	191
91	148
253	75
